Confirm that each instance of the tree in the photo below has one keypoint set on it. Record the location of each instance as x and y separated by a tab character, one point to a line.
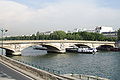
37	36
76	36
61	35
33	37
69	36
86	35
58	35
118	34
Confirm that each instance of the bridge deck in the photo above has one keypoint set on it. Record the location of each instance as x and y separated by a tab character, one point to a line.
55	41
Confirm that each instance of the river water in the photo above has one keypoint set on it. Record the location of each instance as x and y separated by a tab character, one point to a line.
102	64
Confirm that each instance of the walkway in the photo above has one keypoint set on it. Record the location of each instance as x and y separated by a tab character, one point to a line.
7	73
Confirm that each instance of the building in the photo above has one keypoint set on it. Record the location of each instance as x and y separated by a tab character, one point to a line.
101	29
47	32
82	29
110	34
77	30
90	31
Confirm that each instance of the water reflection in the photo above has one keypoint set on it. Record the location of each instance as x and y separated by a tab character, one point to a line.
31	52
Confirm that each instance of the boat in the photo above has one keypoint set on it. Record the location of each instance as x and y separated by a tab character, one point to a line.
72	49
115	49
87	50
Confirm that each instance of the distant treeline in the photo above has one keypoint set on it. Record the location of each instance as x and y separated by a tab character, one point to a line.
61	35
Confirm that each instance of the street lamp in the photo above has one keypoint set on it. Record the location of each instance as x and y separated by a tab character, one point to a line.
2	30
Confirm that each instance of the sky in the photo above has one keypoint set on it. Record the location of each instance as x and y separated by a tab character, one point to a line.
25	17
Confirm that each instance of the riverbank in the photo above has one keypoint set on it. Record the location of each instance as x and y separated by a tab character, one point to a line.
30	71
37	74
102	64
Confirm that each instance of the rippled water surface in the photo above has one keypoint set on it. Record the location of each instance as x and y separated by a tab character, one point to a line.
103	64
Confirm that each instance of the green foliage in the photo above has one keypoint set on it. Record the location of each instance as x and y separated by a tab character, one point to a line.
37	36
58	35
73	36
61	35
118	34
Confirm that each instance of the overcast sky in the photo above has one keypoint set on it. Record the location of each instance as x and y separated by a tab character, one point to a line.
23	17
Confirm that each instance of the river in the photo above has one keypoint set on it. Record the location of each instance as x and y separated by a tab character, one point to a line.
102	64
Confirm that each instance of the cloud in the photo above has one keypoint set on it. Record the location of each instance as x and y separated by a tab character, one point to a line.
14	16
64	15
71	14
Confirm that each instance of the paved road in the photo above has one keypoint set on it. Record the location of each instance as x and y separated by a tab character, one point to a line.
6	72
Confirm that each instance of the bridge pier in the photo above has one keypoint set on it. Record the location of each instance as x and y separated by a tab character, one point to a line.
63	51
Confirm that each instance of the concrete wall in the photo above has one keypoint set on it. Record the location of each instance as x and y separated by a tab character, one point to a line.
83	77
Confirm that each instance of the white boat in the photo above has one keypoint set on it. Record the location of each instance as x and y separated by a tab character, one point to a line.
87	50
72	49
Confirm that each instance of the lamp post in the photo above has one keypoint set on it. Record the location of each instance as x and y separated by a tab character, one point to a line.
2	30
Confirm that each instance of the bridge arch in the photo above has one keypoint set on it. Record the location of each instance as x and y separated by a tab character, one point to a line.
7	50
15	49
51	48
82	46
105	47
27	46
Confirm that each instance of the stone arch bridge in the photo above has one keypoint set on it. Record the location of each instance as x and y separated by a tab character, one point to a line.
14	47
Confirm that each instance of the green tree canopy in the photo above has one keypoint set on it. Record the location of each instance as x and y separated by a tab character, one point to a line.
58	35
118	34
61	35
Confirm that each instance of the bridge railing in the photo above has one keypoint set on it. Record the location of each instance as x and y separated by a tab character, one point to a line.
40	67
